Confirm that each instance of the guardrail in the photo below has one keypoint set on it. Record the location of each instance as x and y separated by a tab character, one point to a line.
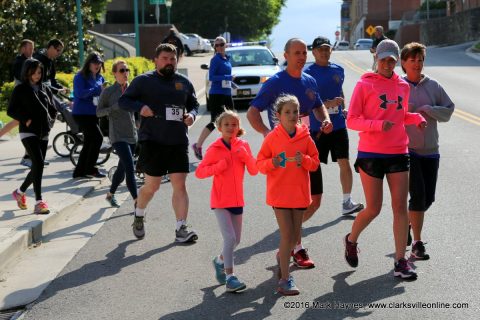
112	47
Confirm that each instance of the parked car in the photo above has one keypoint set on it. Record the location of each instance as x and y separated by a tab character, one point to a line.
252	65
342	45
193	43
363	44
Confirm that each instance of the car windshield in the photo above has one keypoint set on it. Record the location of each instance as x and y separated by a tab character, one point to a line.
254	57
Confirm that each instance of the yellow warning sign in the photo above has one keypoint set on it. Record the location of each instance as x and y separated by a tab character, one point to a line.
370	30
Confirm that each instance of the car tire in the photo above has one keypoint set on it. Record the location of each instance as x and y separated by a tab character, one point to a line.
188	51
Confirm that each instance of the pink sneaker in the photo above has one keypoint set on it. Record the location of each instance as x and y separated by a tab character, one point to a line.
41	208
21	199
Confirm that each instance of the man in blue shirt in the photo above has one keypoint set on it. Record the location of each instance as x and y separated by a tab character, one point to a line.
294	81
330	77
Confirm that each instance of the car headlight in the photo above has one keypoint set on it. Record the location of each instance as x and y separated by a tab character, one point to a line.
263	79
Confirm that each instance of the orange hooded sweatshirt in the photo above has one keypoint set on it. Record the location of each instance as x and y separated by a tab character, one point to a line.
289	186
227	166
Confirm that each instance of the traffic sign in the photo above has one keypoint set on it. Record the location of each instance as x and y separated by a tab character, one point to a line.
157	1
337	33
370	30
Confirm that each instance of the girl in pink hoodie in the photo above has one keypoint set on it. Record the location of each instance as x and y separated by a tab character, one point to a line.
287	155
225	160
379	110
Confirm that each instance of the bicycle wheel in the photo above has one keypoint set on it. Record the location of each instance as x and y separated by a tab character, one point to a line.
75	153
104	154
63	143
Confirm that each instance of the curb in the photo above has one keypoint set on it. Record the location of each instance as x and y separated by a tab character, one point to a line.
31	233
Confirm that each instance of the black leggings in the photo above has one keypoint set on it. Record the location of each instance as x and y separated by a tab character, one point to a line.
36	148
92	141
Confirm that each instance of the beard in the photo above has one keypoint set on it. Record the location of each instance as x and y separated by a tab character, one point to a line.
167	71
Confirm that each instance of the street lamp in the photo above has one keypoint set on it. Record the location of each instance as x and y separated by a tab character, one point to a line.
168	4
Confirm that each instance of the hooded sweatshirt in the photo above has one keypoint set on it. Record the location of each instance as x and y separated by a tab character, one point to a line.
429	98
227	166
375	99
289	186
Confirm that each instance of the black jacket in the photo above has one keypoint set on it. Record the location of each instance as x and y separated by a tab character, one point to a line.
49	73
26	104
17	67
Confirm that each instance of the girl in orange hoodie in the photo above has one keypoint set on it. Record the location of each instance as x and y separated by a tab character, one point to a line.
225	160
287	154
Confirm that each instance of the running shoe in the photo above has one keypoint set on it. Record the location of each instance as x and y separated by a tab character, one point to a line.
302	260
41	208
219	271
112	200
27	162
197	151
235	285
287	287
403	270
20	198
138	227
96	174
351	252
418	251
350	207
183	235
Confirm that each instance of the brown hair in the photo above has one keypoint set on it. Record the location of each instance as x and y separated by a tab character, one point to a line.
284	99
116	63
230	114
24	43
413	49
93	57
30	66
167	47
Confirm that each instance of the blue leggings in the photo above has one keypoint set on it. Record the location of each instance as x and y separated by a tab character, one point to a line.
125	168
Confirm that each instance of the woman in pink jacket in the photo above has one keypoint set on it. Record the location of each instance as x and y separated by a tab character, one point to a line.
379	110
287	155
225	160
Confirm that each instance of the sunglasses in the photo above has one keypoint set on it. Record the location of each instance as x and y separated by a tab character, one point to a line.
123	70
219	44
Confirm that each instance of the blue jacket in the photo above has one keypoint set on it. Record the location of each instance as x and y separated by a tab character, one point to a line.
220	70
84	92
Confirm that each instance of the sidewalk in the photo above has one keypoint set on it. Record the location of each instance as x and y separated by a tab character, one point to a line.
20	229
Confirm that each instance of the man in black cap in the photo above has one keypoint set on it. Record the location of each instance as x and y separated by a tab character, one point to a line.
330	77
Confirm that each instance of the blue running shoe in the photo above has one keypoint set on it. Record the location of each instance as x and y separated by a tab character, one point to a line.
235	285
219	271
288	287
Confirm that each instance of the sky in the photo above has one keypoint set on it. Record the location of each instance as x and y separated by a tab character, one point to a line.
306	19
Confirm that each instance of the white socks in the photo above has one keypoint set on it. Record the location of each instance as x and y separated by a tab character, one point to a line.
180	223
139	212
219	260
230	275
298	247
346	197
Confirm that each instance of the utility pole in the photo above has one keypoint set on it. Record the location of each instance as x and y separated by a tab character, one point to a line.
137	33
80	31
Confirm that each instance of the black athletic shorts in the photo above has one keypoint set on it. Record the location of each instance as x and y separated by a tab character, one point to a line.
378	167
157	160
423	182
217	103
316	179
335	142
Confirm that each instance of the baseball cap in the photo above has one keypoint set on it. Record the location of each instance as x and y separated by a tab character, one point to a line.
388	48
321	41
96	58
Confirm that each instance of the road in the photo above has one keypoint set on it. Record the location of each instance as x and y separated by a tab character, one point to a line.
115	276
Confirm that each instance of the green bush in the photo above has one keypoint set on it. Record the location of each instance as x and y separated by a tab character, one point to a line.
137	66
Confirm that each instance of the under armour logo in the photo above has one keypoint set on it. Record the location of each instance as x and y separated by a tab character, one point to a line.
385	102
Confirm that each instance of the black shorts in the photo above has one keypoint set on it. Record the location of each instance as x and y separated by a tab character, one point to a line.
217	103
423	182
316	179
335	142
157	160
281	208
378	167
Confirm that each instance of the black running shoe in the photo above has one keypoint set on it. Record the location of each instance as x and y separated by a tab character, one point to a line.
138	227
183	235
403	270
418	251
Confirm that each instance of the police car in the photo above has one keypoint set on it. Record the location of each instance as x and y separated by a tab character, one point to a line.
252	65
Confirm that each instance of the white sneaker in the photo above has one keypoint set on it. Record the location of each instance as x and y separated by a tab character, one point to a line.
349	207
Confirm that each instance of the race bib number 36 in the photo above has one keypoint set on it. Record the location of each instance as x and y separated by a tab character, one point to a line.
174	113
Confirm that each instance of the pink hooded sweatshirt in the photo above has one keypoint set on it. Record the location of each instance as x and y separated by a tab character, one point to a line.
375	99
227	166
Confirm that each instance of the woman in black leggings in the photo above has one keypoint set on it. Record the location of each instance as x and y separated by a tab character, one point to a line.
31	105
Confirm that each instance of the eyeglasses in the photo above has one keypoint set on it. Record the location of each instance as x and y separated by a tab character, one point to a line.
219	44
124	70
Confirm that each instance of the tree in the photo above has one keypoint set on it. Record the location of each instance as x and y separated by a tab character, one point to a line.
40	21
245	20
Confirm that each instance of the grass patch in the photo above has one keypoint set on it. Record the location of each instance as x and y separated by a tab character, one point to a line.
6	119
